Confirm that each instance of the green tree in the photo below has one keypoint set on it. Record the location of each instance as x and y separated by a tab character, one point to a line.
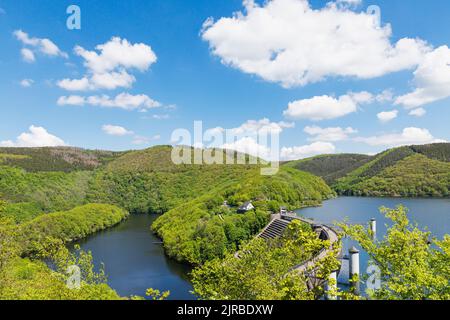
264	269
413	265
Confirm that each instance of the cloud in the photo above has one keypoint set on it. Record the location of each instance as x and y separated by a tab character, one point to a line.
115	130
385	96
27	55
255	127
44	46
408	136
123	100
387	116
26	83
432	80
262	126
289	42
75	84
117	53
248	137
36	137
141	140
108	67
71	100
326	107
106	81
329	134
306	151
161	116
419	112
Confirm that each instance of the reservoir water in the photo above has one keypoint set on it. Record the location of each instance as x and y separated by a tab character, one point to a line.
135	260
430	215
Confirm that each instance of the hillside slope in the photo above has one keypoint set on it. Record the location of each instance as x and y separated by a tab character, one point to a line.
413	171
65	159
330	167
204	228
196	225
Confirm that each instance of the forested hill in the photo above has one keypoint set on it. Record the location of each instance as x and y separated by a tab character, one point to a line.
331	167
65	159
200	202
412	171
196	225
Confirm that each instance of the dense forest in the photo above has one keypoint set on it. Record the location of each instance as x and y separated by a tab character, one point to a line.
197	226
65	159
58	195
52	196
205	228
414	171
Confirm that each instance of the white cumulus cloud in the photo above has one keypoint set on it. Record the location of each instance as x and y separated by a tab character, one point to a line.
109	65
123	100
326	107
387	116
26	83
115	130
27	55
42	45
255	127
329	134
408	136
432	80
289	42
36	137
306	151
419	112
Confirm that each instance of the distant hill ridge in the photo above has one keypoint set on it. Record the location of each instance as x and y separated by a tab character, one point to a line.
65	159
411	171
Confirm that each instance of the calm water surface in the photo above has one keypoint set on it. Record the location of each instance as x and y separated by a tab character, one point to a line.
430	214
135	260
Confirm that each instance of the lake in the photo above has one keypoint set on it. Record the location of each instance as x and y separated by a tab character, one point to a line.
135	260
430	214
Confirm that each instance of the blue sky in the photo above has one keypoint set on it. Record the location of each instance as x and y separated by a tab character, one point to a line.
222	78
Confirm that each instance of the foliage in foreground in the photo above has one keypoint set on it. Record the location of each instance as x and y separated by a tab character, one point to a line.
263	269
413	265
27	279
